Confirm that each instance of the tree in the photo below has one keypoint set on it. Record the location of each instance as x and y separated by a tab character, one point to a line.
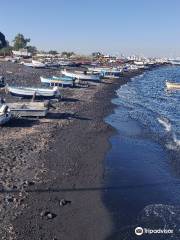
32	49
6	51
53	52
67	54
20	41
3	42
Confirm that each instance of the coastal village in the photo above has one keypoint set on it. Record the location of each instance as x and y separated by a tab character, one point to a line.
52	103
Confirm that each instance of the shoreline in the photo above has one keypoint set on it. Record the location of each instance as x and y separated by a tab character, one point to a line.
70	168
147	155
82	146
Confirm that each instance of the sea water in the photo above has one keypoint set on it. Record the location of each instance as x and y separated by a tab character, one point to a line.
142	169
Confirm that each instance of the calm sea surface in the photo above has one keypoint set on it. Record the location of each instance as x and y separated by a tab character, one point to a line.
142	169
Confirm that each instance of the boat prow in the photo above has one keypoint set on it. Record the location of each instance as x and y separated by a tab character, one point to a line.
170	85
5	114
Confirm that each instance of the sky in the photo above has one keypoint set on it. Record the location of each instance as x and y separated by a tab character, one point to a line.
142	27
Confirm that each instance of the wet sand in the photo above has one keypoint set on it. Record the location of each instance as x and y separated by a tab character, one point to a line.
60	157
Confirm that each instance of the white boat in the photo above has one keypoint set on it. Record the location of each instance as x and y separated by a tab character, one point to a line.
175	61
171	85
107	72
27	92
98	69
58	81
34	64
38	64
27	64
112	73
29	109
80	76
5	114
52	64
65	63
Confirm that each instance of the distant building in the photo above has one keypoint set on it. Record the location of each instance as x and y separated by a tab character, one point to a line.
22	53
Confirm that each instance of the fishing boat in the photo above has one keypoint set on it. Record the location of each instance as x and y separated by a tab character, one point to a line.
58	81
175	61
107	72
171	85
27	92
52	64
81	76
29	109
34	64
67	64
111	73
5	114
38	64
98	69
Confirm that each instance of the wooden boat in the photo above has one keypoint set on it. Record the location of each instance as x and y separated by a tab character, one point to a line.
34	64
38	64
52	64
5	114
106	72
66	63
80	76
58	81
27	92
29	109
175	61
112	73
171	85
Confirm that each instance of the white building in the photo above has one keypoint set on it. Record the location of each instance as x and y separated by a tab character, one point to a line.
21	53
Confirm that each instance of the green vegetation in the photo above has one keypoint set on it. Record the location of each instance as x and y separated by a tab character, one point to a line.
3	42
53	52
67	54
20	42
6	51
32	49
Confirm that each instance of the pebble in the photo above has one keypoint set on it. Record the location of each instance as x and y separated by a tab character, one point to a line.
48	214
64	202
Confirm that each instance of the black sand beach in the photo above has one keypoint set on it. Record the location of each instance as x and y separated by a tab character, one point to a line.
44	161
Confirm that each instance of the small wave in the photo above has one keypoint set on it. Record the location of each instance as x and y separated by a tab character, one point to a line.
168	216
165	123
177	141
174	144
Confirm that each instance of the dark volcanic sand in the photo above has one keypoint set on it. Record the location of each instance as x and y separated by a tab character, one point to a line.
60	157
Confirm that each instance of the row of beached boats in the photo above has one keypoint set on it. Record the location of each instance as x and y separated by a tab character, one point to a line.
47	64
39	109
66	78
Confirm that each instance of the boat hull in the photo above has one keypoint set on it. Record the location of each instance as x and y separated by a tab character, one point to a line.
28	109
87	77
4	118
30	92
57	81
173	85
